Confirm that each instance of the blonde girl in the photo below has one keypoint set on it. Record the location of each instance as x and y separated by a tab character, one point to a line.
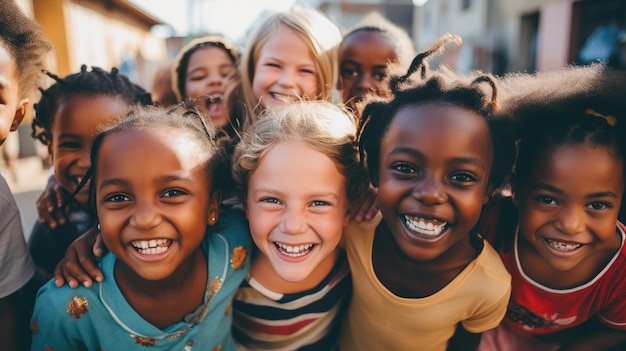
292	55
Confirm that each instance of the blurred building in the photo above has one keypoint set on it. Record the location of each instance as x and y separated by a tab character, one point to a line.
103	33
346	13
511	35
503	35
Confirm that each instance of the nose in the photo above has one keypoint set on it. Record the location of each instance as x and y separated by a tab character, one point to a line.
429	191
287	78
215	79
365	83
84	160
570	220
145	215
293	221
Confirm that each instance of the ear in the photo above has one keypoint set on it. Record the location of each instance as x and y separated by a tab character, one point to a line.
214	207
19	114
347	218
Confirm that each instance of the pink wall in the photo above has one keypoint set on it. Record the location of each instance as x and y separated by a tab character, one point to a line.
554	35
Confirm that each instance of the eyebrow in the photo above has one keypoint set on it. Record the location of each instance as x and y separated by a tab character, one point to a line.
161	180
556	190
415	153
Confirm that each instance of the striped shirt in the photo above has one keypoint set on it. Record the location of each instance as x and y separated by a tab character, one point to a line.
266	321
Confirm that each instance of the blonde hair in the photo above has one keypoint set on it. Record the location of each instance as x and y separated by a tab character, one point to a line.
316	30
320	124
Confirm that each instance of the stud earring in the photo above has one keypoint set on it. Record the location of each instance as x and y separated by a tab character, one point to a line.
98	226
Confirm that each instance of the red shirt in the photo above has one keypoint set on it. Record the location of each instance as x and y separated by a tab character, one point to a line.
537	309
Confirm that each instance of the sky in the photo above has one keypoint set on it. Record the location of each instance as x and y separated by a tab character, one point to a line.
228	17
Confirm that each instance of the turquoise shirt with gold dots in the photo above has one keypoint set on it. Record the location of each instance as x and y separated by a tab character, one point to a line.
99	318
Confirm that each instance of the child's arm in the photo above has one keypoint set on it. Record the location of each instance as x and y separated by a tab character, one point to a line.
78	263
463	340
50	204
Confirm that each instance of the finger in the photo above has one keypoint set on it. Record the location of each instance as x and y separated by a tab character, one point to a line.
74	273
89	272
98	246
371	213
59	195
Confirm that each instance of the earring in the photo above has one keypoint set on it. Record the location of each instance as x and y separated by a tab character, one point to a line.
212	219
98	226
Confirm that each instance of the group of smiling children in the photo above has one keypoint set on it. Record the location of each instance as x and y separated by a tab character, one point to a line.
241	218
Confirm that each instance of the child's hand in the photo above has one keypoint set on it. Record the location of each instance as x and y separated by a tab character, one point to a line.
50	205
367	209
78	263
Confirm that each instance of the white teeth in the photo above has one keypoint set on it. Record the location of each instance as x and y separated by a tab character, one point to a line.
151	247
294	251
561	246
420	226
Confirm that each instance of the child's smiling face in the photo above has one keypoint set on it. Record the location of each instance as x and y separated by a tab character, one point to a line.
74	128
153	214
435	161
363	60
297	206
285	70
569	206
209	73
12	108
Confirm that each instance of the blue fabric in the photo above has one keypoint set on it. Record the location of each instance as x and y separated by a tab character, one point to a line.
110	323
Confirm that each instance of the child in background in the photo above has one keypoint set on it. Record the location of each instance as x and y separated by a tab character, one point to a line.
422	276
291	55
66	121
173	267
161	90
297	170
559	235
205	72
365	55
22	50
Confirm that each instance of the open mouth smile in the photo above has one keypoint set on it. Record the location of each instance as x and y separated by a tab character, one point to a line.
424	226
563	246
152	247
294	251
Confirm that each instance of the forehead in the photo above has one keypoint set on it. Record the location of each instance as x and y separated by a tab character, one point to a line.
209	54
578	162
141	145
368	46
440	128
8	70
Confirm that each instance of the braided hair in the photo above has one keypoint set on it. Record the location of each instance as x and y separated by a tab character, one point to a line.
84	83
444	87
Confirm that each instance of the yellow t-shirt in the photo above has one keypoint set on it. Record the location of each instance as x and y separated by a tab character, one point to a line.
379	320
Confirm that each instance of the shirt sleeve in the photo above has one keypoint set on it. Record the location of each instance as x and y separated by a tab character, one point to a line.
490	315
53	321
17	265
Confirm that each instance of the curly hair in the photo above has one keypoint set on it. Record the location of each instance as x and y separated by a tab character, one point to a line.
319	124
26	43
84	83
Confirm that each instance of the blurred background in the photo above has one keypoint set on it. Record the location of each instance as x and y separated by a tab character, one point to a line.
139	36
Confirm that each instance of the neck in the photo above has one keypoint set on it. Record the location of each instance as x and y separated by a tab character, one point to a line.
190	269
